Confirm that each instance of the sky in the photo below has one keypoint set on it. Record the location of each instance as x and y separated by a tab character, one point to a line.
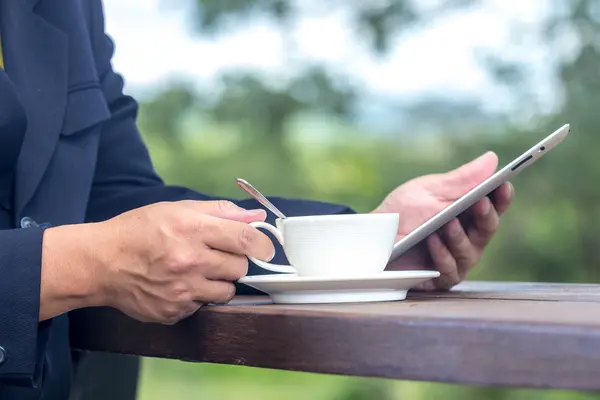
153	44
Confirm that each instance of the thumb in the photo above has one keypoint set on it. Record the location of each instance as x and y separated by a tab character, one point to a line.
471	174
228	210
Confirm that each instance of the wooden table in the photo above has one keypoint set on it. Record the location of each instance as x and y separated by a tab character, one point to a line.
483	333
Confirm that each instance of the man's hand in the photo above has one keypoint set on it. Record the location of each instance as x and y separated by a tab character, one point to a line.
162	262
457	247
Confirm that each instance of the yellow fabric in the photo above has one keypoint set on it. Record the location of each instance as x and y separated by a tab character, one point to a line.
1	59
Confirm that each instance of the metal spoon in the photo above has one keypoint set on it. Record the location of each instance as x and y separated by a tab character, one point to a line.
259	197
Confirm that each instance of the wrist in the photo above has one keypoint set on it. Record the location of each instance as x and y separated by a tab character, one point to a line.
72	274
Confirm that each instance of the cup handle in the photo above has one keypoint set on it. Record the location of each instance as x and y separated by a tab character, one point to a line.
288	269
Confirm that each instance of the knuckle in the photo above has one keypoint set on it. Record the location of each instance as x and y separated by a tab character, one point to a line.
224	205
171	313
208	228
454	236
445	263
148	214
455	231
246	237
215	263
202	225
187	203
179	262
155	206
464	261
180	221
177	218
181	292
491	228
171	227
158	211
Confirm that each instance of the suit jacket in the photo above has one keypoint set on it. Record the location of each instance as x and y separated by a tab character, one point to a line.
81	159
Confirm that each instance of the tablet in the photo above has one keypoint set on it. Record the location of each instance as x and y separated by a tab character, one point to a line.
482	190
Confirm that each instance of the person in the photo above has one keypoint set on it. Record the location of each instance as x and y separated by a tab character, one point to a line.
86	221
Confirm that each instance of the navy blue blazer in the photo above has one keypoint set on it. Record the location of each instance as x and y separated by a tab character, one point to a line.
80	159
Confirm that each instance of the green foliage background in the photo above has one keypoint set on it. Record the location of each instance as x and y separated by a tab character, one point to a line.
299	139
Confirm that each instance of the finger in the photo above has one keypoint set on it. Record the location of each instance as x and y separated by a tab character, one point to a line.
188	310
236	237
223	266
215	292
226	209
484	225
426	286
481	207
502	197
461	249
459	181
443	261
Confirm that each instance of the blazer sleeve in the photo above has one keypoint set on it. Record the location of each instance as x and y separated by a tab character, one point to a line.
22	337
125	177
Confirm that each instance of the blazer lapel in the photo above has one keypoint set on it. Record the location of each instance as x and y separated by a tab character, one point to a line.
35	57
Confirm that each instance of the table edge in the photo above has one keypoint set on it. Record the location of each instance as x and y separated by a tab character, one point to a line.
494	353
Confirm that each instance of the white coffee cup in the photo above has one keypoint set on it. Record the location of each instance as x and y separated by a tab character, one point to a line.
333	245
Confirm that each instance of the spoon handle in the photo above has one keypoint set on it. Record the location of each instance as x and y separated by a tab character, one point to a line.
259	197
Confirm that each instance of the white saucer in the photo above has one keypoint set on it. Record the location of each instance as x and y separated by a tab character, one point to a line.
293	289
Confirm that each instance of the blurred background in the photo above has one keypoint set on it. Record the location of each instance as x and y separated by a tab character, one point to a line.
342	101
